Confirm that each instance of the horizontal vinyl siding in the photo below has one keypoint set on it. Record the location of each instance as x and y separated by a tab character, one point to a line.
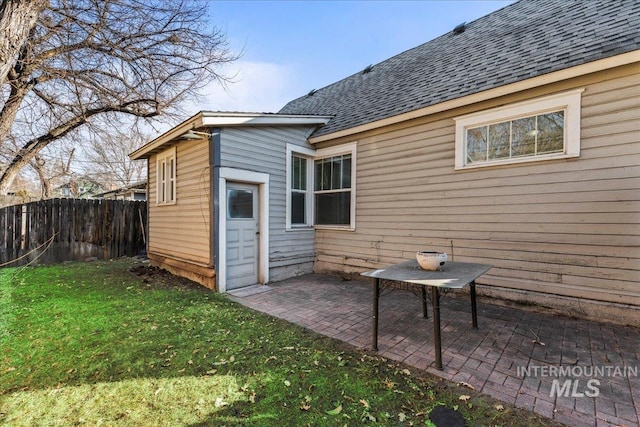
263	149
563	227
182	230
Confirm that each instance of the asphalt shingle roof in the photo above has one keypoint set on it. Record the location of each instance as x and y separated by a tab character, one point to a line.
520	41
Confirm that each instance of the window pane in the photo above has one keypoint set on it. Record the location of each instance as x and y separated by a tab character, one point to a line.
477	144
346	172
551	133
333	208
523	137
336	172
499	141
240	203
298	208
298	173
323	174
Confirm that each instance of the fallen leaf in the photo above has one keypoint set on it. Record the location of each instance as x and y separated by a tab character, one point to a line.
287	383
464	397
499	407
364	403
335	411
402	417
462	383
220	402
406	372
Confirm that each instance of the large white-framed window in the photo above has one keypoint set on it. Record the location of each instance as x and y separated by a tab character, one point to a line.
334	187
166	177
544	128
321	187
299	182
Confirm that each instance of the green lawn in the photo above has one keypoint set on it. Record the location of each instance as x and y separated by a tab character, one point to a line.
94	344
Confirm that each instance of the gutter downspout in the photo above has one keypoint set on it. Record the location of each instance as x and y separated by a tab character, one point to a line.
214	208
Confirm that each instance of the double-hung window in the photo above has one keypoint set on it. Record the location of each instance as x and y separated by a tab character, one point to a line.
334	187
299	187
541	129
321	187
166	177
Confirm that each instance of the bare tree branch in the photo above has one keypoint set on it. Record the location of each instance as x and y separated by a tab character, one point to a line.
17	18
89	58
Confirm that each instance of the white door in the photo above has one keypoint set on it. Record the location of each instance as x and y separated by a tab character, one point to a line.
242	235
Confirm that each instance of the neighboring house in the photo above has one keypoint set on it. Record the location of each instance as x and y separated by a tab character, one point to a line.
79	188
136	191
512	140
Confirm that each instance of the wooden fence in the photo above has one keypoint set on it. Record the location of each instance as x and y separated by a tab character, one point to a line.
58	230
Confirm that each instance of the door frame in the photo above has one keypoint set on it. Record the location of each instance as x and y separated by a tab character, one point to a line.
244	177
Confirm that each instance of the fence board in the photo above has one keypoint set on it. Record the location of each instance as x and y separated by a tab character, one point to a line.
58	230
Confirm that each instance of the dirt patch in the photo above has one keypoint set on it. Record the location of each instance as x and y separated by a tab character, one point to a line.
156	277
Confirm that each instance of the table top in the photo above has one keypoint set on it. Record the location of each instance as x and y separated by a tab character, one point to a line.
455	275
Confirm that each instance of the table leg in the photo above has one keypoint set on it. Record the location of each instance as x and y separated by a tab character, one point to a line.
425	312
435	300
376	296
474	312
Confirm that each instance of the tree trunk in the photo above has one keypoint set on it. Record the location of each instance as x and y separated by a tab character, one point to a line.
17	17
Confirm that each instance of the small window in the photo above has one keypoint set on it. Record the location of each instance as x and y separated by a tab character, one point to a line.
166	177
542	129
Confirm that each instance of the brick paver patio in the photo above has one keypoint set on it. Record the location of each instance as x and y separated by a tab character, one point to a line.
494	358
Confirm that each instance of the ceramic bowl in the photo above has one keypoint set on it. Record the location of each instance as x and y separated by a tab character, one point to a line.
431	260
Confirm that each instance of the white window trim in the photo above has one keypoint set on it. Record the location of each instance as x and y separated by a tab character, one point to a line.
569	101
162	197
350	148
307	153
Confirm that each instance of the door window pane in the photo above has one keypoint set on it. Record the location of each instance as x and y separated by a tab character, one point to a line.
240	204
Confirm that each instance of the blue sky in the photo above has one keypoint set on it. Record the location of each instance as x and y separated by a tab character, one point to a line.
291	47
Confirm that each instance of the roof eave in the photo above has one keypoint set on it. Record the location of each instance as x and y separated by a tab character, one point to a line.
556	76
208	119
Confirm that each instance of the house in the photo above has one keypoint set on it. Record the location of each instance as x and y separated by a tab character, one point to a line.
137	191
512	140
79	188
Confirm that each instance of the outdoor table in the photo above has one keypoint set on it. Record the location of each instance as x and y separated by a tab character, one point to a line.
452	275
